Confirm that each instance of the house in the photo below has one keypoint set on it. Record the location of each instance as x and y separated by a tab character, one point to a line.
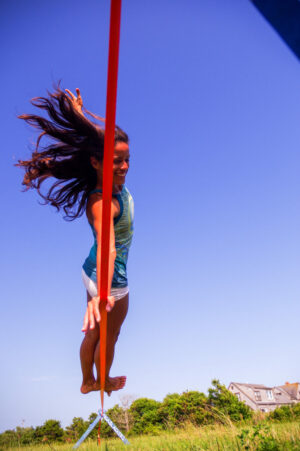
265	399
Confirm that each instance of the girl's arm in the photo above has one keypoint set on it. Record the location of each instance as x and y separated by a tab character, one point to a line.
92	311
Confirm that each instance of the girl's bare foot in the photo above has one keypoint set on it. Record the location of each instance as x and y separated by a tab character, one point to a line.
88	386
114	384
111	384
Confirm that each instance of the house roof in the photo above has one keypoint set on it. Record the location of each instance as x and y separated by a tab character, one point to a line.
254	386
292	390
284	394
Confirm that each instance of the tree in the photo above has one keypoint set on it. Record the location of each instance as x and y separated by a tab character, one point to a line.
76	429
116	414
146	416
223	402
171	410
126	416
120	415
51	431
195	407
9	438
189	406
26	435
286	413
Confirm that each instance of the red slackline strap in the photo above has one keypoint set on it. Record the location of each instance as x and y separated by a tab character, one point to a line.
109	144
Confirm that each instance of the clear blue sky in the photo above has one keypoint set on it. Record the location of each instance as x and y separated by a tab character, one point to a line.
210	97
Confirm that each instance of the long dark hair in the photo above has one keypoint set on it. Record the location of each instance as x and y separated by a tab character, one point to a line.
74	139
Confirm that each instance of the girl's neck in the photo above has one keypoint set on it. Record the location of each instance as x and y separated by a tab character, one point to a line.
116	188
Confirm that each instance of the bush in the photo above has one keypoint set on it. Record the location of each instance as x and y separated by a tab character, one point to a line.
146	416
259	438
76	429
9	438
50	431
189	407
227	403
285	413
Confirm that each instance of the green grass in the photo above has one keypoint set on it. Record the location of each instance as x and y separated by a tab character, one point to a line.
275	437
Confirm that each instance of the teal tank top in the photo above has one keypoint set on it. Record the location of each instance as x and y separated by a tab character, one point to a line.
123	225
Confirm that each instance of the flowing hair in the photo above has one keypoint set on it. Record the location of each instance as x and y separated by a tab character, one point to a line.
74	139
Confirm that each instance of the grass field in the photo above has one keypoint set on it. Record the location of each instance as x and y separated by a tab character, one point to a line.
263	437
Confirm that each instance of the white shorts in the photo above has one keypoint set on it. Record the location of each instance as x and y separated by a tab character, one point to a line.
91	287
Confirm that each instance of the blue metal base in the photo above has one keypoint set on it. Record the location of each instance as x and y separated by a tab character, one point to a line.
93	424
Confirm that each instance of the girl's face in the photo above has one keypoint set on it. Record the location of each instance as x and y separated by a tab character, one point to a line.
120	164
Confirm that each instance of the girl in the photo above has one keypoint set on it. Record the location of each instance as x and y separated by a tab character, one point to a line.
74	157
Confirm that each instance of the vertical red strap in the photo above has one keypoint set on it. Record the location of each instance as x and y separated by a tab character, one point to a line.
109	143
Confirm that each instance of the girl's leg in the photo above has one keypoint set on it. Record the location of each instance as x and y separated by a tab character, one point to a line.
87	351
115	319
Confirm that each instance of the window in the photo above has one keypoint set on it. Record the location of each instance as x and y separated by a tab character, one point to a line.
238	396
257	395
269	394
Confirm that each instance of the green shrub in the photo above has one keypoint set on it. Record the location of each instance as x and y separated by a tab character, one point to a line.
50	431
259	438
285	413
76	429
146	416
189	407
227	403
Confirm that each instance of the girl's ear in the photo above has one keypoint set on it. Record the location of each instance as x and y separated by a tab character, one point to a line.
95	163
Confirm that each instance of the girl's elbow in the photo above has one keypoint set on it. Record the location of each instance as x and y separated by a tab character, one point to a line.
113	253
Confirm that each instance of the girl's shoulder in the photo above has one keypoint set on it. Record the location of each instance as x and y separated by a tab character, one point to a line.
125	192
91	206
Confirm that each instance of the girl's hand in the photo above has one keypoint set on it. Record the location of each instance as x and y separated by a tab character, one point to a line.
76	101
93	312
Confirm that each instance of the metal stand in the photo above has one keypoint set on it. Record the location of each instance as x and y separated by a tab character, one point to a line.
93	424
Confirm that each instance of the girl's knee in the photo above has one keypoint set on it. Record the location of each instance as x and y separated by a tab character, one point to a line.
112	337
92	335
